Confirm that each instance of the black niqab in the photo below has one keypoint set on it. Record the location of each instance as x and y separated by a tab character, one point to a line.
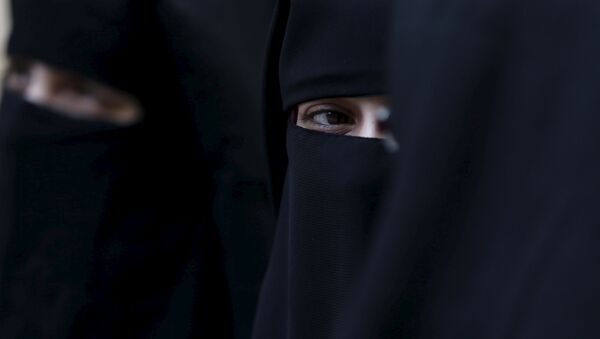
333	184
102	217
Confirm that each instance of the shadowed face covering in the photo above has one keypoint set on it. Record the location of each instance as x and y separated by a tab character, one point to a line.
100	224
330	185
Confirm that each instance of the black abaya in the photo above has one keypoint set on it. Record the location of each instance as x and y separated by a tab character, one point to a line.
492	224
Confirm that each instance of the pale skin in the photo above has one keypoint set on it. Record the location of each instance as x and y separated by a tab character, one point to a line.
71	95
353	116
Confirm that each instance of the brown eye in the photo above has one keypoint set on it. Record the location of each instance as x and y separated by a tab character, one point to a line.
330	117
327	118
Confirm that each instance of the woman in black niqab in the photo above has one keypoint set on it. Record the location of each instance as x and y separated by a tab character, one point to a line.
102	217
327	186
492	225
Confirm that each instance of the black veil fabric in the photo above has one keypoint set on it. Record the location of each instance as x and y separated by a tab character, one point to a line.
339	54
491	227
327	187
102	47
103	218
333	189
329	48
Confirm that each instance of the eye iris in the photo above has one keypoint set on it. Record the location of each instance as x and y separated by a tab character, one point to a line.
332	118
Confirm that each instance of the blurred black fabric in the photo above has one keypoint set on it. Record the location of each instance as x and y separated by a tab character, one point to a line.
219	50
492	227
104	224
327	187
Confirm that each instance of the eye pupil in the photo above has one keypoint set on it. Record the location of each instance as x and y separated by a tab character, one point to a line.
334	118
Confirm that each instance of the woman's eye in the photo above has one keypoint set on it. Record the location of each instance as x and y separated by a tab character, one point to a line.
332	118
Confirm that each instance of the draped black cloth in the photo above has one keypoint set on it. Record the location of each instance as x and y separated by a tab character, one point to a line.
218	47
333	189
491	228
102	219
327	187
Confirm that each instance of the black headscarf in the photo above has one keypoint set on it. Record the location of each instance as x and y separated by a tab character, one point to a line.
104	46
333	56
102	217
492	227
333	184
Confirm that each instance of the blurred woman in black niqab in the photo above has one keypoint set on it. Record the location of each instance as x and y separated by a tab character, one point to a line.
327	186
102	217
492	224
